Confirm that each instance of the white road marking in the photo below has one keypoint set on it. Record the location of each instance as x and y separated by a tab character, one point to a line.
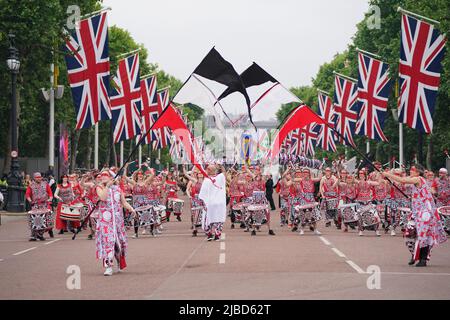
223	236
222	246
339	253
20	252
325	241
355	266
52	241
222	258
1	260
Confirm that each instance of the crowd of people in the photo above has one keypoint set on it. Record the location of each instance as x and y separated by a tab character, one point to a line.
108	203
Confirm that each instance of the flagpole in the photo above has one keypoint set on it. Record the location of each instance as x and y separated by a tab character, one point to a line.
126	54
87	15
344	76
368	53
368	146
400	9
140	155
121	153
96	146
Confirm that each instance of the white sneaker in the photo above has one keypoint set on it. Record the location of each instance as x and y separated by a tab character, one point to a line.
157	231
143	231
317	232
108	271
360	234
301	232
377	233
393	232
135	236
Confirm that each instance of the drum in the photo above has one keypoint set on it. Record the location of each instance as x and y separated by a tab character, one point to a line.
444	213
259	197
308	213
160	213
332	203
238	211
73	212
368	216
177	205
257	214
145	216
349	213
38	219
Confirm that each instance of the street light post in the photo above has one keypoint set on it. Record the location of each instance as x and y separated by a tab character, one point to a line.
15	192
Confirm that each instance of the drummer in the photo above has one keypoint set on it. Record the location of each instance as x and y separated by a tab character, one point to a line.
171	189
441	188
89	183
328	191
140	191
284	191
39	195
308	191
365	195
65	195
192	189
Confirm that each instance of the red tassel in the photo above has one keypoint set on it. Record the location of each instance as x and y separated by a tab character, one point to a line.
123	263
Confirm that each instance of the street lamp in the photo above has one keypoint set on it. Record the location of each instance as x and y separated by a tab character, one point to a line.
15	189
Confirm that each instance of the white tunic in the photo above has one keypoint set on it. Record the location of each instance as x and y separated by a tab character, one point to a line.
214	197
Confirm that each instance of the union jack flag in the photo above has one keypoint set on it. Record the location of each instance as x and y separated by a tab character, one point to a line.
296	142
345	109
163	136
150	111
126	100
374	86
421	53
88	70
325	139
310	136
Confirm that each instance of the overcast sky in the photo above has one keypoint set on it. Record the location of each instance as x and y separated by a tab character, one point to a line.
288	38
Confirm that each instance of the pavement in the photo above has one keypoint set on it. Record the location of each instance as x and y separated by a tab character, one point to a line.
175	265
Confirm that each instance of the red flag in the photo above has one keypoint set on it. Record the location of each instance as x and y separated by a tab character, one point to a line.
299	118
170	118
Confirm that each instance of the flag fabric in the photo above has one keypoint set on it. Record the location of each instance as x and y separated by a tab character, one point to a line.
211	77
345	109
88	70
163	136
309	138
150	111
298	118
296	142
421	53
374	86
126	100
172	119
325	139
266	94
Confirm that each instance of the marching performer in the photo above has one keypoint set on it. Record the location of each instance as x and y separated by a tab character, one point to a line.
441	188
192	189
171	189
89	184
110	237
39	196
214	197
429	229
284	191
65	195
329	192
364	196
308	190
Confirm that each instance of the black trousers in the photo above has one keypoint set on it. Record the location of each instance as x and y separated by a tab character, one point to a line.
270	199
